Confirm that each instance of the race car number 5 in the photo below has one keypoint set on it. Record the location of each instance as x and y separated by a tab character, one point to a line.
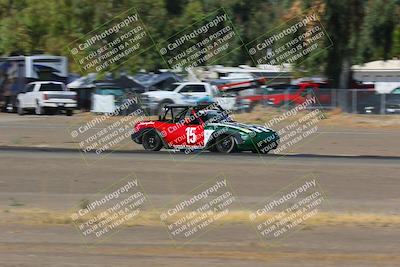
191	135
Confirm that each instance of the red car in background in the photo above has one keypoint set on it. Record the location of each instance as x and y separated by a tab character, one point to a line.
297	94
282	94
288	94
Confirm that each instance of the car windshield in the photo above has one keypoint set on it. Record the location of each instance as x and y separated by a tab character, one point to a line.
171	87
51	87
110	91
396	91
282	89
210	116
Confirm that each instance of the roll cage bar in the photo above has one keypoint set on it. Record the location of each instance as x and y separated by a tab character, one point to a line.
181	114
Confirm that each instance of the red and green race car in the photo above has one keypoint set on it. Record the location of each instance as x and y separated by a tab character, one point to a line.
205	127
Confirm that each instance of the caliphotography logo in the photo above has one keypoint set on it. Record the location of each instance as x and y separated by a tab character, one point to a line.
201	43
199	211
289	210
106	213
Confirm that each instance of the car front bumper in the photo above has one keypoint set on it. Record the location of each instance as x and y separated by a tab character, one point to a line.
260	142
393	110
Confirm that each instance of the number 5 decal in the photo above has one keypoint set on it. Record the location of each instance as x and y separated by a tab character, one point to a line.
191	135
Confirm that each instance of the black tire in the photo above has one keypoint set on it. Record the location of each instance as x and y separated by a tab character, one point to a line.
69	112
152	141
39	110
20	110
138	140
14	105
226	144
212	147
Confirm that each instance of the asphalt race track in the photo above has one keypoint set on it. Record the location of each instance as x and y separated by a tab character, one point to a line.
58	180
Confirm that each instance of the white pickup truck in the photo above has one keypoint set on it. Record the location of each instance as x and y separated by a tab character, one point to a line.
47	95
186	93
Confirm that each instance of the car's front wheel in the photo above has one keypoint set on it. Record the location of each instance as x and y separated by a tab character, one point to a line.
226	144
152	141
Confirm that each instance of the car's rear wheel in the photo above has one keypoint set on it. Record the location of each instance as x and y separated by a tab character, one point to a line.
152	141
69	112
213	148
226	144
20	109
39	110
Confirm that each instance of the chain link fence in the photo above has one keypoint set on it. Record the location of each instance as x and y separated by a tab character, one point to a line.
362	101
358	101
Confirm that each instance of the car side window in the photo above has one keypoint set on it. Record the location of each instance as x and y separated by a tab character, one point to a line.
185	89
29	88
180	115
198	89
308	91
168	115
51	87
292	89
324	91
193	89
191	117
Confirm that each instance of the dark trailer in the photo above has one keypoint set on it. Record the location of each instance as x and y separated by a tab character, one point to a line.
17	71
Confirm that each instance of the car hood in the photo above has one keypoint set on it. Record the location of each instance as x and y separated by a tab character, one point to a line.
245	128
160	94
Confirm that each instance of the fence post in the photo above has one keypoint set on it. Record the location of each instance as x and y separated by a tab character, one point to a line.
353	101
334	98
383	104
287	99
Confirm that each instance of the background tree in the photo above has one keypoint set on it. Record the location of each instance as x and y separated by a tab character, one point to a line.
361	30
343	20
377	30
